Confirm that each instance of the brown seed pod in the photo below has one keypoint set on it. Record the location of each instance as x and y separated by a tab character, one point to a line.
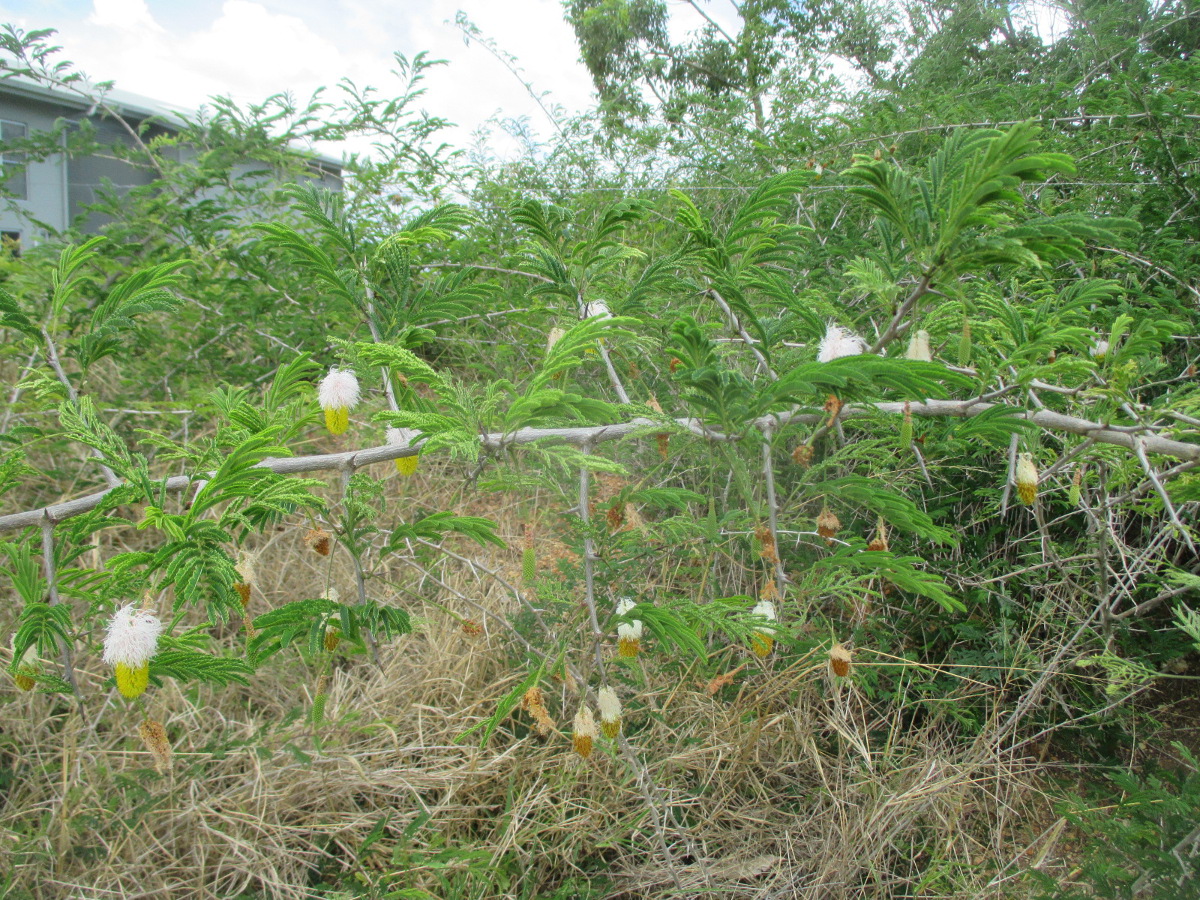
471	628
320	540
839	660
803	455
675	364
769	591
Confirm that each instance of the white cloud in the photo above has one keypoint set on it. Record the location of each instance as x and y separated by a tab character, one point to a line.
126	15
251	49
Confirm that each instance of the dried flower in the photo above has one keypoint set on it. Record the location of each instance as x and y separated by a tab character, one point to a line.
555	335
27	668
338	394
766	541
333	633
131	643
839	342
404	437
615	516
629	634
245	569
762	641
839	660
471	628
827	524
803	455
662	439
585	730
535	704
319	540
154	736
610	712
918	347
880	541
1026	479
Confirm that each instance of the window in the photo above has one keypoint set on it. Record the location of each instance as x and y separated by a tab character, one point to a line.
12	165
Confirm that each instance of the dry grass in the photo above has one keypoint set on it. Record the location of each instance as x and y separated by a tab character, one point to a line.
786	783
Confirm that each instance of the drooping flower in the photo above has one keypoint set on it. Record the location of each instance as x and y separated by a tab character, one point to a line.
404	437
1026	479
585	730
27	668
828	524
918	347
338	394
131	643
839	660
154	737
839	342
610	712
762	641
534	703
629	634
556	334
244	566
320	540
1099	350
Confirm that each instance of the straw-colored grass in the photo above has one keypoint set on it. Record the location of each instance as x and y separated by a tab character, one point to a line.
786	782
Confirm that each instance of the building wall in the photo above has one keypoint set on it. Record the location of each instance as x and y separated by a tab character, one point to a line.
89	176
46	180
60	190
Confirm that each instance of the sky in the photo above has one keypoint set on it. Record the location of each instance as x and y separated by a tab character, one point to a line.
184	51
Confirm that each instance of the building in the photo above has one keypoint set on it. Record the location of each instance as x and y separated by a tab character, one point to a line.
48	195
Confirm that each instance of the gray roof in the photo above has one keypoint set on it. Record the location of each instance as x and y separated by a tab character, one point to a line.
124	103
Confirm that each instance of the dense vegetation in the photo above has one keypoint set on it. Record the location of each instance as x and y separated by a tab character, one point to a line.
826	430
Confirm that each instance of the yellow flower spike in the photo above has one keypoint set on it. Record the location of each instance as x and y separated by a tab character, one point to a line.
407	465
337	420
132	682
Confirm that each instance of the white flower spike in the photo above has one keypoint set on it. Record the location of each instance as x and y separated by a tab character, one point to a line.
839	342
338	394
610	712
404	437
131	643
762	641
918	347
629	634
